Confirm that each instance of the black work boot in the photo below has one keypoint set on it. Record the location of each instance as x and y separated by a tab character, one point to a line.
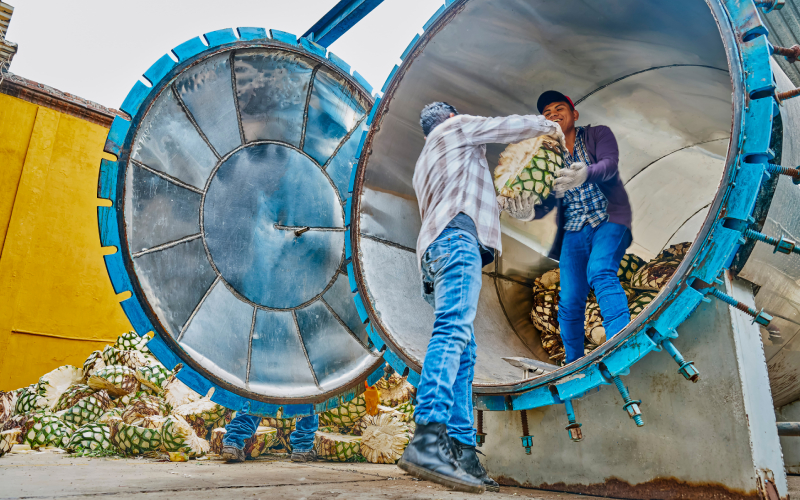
430	456
467	457
232	454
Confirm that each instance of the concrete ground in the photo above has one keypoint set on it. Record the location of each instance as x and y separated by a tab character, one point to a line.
51	475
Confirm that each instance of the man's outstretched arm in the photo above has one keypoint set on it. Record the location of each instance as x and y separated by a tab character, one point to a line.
507	129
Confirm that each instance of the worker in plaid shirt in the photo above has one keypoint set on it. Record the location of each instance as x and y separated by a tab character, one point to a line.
594	224
460	234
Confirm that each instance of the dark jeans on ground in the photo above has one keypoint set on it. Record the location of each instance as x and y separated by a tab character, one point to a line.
243	426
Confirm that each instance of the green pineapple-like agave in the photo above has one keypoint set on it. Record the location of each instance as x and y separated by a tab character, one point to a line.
29	400
594	330
132	439
407	409
336	447
8	439
93	363
132	341
202	415
345	415
628	266
92	438
263	438
144	405
72	395
536	177
285	427
153	376
641	301
178	435
117	380
88	409
45	429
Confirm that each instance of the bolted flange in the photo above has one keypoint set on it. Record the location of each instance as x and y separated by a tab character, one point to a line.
686	368
574	428
782	245
480	436
770	5
527	439
631	406
759	317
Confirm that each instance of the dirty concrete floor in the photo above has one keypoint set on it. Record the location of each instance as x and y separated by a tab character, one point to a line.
50	475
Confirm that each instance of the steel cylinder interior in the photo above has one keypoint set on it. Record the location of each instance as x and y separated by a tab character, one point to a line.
655	72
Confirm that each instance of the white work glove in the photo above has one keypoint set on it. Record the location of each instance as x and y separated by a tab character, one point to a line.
520	208
558	133
569	178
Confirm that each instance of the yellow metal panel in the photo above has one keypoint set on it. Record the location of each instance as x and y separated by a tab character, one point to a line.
16	125
57	301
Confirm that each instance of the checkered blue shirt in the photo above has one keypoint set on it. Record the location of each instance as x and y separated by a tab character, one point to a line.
585	203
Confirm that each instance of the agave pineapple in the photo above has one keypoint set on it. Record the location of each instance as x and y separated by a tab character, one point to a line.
345	415
285	427
178	435
336	447
153	376
132	439
395	390
8	439
91	437
8	403
628	266
144	405
641	301
88	409
384	439
45	429
72	395
93	363
202	415
132	341
117	380
263	438
29	400
528	168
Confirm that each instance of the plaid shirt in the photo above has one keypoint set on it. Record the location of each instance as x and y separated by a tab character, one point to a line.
585	203
452	174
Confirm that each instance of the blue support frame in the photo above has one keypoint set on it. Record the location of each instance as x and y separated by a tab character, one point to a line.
337	21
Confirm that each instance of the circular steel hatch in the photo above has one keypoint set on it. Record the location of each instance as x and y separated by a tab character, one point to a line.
229	204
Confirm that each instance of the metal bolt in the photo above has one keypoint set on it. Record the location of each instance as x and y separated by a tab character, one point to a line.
791	54
782	96
631	406
770	5
574	428
759	317
782	245
794	173
687	368
480	436
527	440
301	231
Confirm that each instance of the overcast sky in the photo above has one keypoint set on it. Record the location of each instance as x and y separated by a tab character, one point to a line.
97	49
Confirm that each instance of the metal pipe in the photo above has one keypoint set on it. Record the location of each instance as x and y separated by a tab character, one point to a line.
789	428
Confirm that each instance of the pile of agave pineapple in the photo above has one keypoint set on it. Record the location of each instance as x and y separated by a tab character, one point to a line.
641	281
123	401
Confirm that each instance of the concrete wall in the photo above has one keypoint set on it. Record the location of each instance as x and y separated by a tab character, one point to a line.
56	301
790	444
712	439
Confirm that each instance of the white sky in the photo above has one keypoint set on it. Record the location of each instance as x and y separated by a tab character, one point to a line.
97	49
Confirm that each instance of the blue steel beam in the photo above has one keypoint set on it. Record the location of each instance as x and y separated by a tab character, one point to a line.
343	16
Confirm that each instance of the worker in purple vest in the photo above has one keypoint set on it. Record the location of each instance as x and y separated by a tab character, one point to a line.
594	223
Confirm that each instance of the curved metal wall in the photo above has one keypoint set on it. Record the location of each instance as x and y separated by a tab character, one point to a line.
693	157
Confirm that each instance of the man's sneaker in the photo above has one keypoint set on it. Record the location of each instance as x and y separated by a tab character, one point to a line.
467	457
304	456
231	453
429	456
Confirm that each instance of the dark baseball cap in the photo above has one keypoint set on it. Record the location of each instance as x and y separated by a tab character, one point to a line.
551	96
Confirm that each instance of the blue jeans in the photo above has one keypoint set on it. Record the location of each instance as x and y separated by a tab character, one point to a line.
452	263
590	259
244	426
